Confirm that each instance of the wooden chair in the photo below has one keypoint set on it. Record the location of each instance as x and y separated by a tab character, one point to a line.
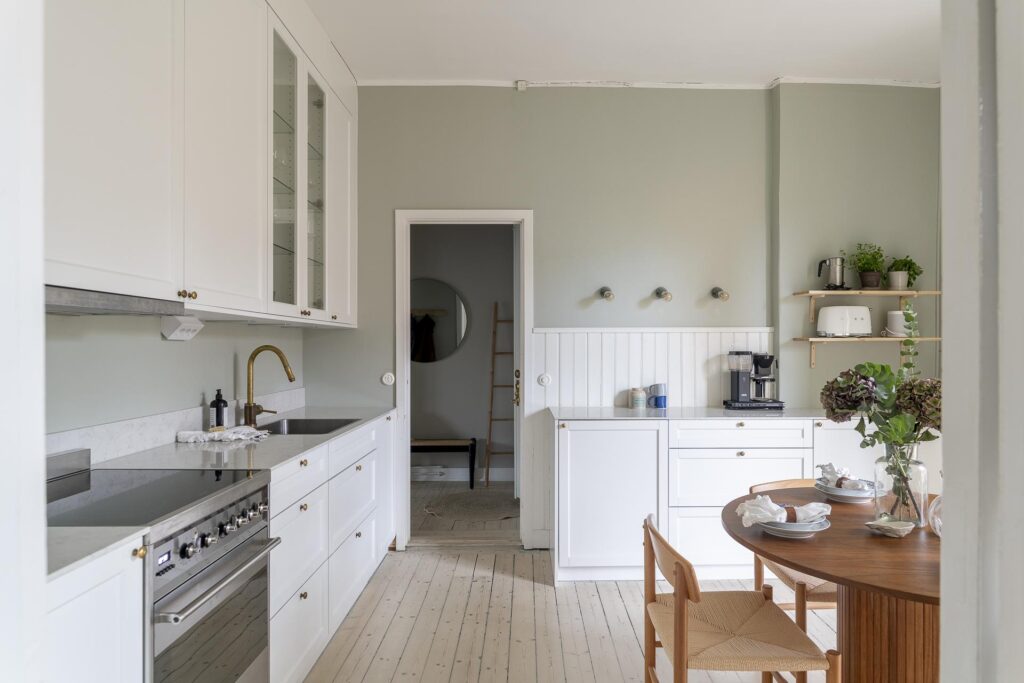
811	592
720	630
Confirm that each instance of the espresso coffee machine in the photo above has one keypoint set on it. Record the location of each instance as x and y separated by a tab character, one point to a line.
746	368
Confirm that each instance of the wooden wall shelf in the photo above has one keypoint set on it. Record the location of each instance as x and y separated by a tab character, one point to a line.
903	294
814	341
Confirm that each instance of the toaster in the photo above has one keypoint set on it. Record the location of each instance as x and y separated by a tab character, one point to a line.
844	321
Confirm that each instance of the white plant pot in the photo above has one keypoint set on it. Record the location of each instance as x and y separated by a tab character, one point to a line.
898	279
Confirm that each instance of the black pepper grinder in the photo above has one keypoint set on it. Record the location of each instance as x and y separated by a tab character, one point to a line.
218	411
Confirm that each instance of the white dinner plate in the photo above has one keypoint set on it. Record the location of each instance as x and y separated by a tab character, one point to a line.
845	497
797	526
794	533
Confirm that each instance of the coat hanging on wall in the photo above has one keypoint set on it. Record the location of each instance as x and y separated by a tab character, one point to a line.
423	350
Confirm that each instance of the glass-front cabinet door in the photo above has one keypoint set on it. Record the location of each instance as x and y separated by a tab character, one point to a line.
316	199
285	246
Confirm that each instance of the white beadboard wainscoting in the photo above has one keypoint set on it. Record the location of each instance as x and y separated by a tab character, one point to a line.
595	367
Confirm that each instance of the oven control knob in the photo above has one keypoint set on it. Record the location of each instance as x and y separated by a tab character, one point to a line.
262	508
242	519
227	527
206	540
251	513
188	550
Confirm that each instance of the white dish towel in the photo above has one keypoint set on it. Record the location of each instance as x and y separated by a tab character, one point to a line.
762	509
839	477
240	433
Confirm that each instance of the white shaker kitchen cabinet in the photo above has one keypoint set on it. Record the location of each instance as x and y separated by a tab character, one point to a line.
303	530
300	631
386	496
340	214
839	443
611	475
697	533
225	142
703	477
95	620
113	129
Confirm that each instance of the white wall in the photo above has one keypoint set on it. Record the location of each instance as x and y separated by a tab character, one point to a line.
449	397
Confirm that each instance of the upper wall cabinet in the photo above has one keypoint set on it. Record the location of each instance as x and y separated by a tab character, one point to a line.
195	151
113	146
225	153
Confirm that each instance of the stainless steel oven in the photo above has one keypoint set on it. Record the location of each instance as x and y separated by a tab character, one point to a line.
213	628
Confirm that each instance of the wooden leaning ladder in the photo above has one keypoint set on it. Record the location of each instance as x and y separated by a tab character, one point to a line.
495	321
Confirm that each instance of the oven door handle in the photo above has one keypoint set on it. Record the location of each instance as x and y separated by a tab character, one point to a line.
190	608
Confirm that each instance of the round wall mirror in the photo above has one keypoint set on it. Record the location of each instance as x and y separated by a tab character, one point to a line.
439	320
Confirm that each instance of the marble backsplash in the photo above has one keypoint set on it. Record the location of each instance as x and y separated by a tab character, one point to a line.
114	439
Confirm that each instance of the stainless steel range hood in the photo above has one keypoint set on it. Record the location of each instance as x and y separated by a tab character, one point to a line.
68	301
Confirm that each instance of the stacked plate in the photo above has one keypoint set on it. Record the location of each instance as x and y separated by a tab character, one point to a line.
838	495
794	529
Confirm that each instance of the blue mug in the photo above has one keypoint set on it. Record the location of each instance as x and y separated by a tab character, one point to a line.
659	402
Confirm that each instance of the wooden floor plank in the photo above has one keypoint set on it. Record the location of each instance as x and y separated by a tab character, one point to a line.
599	637
468	652
494	661
396	638
421	638
627	649
550	667
575	651
522	656
438	668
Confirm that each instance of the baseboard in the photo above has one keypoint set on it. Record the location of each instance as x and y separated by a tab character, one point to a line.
462	474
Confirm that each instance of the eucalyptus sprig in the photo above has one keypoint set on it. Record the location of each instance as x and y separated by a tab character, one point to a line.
908	347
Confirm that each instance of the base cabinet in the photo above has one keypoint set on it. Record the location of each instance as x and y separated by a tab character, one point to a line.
350	567
697	533
300	631
839	443
302	529
95	620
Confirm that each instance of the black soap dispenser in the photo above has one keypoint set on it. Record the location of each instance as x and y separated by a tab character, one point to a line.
218	412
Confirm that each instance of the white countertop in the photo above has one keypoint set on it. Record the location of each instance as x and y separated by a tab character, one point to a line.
275	450
68	547
707	413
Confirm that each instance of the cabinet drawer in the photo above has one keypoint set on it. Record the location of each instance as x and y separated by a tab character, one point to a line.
741	432
349	568
712	477
303	532
296	478
698	535
299	632
347	449
352	495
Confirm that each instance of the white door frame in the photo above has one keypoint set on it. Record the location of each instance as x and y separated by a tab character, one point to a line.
522	222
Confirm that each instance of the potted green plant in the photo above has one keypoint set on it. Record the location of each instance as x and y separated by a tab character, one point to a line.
903	410
903	272
869	262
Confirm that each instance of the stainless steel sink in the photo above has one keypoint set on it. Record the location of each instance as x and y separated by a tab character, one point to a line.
320	425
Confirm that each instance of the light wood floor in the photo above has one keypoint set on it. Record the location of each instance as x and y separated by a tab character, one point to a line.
495	615
428	530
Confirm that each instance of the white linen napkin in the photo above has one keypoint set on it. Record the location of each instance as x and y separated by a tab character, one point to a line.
762	509
240	433
832	474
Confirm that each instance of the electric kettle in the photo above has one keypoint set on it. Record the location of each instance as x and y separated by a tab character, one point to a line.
836	272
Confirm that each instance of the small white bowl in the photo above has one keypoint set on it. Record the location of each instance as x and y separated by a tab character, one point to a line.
891	528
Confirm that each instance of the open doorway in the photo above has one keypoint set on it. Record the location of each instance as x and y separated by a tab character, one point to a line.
461	314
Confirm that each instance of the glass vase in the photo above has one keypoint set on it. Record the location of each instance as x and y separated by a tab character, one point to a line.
901	486
935	515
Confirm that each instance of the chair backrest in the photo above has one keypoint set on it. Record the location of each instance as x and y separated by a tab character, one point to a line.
782	484
667	557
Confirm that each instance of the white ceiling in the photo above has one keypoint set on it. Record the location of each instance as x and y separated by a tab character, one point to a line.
720	42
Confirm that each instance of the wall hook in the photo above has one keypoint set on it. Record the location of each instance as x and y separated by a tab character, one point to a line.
663	294
720	294
606	293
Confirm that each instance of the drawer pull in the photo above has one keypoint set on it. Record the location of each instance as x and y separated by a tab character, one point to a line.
388	418
741	453
303	507
303	595
740	424
304	463
359	468
359	534
817	424
140	552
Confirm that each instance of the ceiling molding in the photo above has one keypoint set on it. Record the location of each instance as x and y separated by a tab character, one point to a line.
642	84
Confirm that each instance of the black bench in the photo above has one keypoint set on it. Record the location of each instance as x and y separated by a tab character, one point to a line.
449	446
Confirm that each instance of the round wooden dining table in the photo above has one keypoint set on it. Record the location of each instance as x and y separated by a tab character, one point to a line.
888	607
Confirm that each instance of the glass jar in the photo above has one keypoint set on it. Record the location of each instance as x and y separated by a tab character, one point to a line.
901	486
935	515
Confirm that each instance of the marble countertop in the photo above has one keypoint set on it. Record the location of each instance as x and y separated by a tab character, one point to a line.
275	450
68	547
707	413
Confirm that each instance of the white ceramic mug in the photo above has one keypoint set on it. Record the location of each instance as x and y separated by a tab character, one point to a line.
895	324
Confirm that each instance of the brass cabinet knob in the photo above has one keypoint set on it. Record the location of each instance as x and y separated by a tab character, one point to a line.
304	463
334	317
741	453
359	534
817	424
388	418
193	295
740	424
305	312
303	507
140	552
303	595
183	293
359	468
562	426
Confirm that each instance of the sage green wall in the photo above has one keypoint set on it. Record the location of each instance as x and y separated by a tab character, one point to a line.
103	369
855	164
633	189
